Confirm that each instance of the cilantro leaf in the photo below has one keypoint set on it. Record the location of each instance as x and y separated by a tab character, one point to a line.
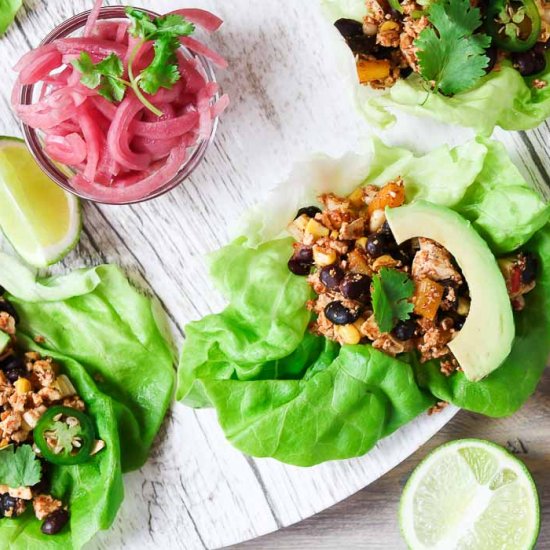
174	25
19	467
65	434
391	292
144	27
105	75
141	24
450	54
163	71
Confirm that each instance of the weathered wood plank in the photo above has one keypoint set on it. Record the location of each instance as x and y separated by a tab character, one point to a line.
288	101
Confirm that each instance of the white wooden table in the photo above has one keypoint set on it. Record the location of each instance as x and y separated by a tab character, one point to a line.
196	491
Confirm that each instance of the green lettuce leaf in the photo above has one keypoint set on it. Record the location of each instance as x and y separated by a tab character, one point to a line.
8	9
502	98
339	411
281	392
264	323
93	490
97	318
505	390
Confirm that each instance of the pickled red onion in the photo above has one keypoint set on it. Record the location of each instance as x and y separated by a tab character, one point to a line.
119	151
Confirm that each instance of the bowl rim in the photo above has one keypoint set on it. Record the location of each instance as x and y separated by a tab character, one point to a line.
53	170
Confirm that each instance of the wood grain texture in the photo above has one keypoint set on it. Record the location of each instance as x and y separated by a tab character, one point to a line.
288	101
368	520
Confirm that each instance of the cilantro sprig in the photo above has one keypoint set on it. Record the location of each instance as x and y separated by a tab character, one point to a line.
451	54
391	294
107	75
19	467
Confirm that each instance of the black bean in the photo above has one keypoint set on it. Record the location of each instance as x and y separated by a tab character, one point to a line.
304	254
43	486
366	45
356	286
299	268
529	63
55	522
339	314
386	229
529	273
459	321
8	506
405	72
349	27
331	276
404	330
14	368
5	306
308	211
379	244
2	290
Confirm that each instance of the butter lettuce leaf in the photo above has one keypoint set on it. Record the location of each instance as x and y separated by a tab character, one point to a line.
502	98
340	411
96	317
8	10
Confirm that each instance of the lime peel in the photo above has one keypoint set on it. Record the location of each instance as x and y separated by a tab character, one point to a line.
470	494
40	220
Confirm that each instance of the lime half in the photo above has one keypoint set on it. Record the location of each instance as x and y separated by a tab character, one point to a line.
41	220
470	495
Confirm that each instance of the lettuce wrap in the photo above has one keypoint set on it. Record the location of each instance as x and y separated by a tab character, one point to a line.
501	98
93	490
281	392
107	338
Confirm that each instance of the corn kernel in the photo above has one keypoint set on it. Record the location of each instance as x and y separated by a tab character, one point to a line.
316	229
334	234
389	26
323	256
377	219
361	243
356	198
298	226
348	334
22	386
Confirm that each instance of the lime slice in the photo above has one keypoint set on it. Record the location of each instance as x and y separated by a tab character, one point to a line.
41	220
470	495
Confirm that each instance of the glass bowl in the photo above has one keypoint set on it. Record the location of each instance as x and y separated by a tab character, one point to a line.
61	174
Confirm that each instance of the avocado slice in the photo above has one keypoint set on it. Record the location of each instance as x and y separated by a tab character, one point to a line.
487	335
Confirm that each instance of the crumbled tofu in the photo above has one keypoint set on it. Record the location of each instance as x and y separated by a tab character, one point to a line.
44	505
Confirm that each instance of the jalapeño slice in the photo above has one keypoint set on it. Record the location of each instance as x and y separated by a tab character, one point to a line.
514	25
65	436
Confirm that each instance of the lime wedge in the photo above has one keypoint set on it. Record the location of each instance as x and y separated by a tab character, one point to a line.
41	220
470	495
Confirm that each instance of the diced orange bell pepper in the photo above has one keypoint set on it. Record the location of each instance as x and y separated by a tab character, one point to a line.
427	298
392	195
372	69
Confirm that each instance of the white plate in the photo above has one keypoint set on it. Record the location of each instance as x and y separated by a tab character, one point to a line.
197	491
